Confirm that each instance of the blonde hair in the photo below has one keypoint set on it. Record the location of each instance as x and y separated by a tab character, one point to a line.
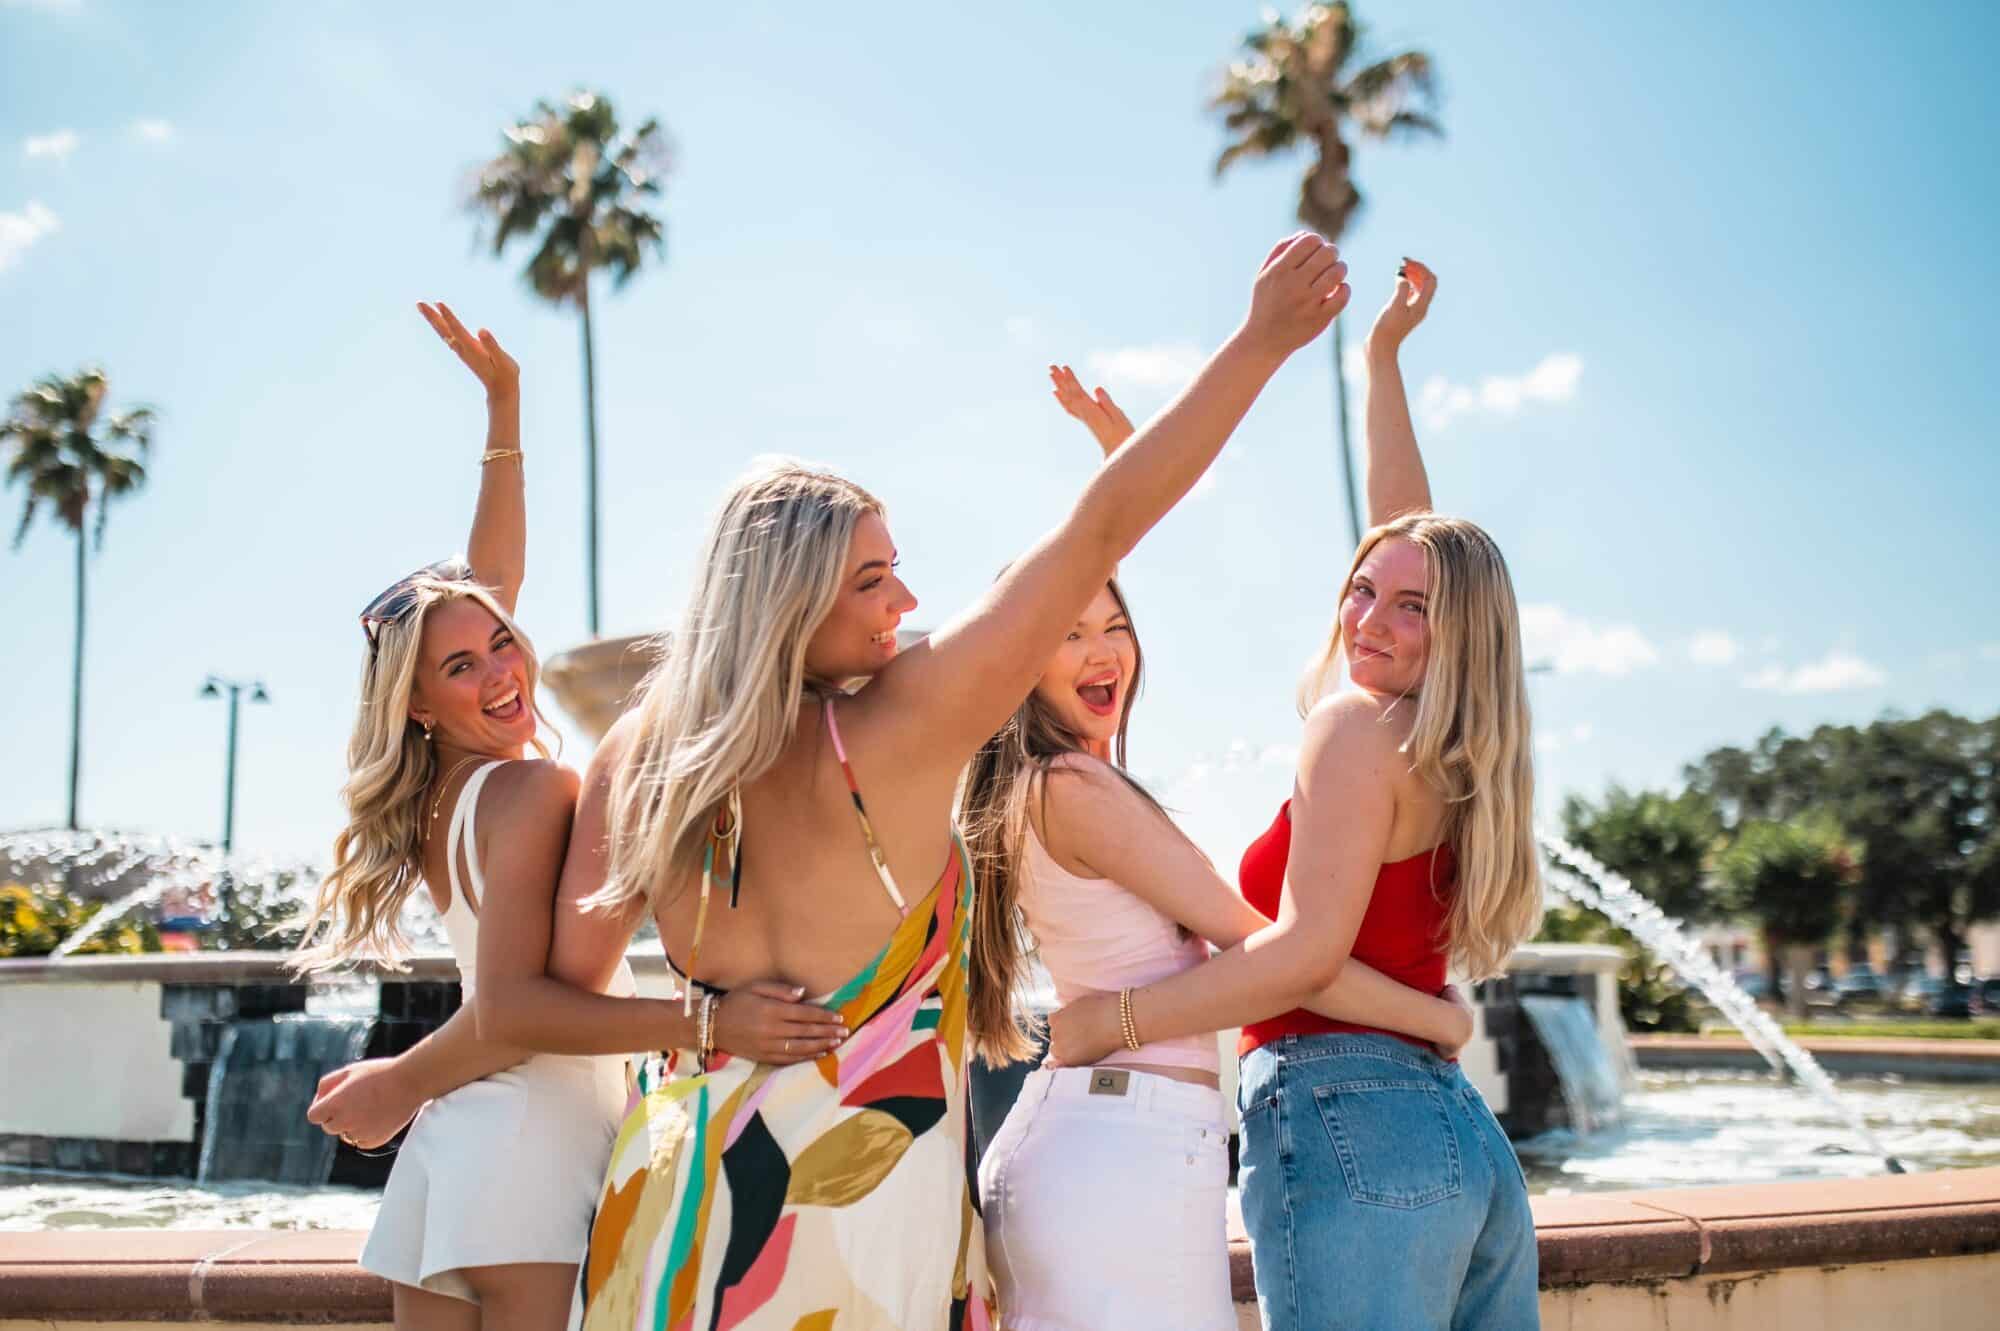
378	856
719	708
993	819
1470	740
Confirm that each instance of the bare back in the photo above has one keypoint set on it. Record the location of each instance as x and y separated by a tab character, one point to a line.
1419	822
812	909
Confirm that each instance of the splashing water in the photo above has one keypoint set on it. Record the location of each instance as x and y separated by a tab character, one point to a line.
1578	877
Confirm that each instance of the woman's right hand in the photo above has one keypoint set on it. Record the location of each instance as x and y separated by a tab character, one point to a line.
481	352
766	1023
1408	304
1096	411
1298	293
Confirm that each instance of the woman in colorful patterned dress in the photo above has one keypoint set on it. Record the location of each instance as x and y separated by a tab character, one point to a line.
729	805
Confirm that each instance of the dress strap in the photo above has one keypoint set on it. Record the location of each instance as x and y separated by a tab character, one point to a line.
464	828
861	812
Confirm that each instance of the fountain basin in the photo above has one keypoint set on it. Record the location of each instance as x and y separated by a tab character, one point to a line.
1916	1252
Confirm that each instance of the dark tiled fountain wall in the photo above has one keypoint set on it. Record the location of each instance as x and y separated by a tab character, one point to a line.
1534	1092
199	1014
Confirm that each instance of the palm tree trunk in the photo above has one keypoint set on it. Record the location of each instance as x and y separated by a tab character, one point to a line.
1346	444
589	447
76	690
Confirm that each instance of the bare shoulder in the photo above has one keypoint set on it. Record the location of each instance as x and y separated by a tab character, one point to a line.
1078	785
1358	729
534	788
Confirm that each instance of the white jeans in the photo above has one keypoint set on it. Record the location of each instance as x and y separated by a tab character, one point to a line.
1104	1194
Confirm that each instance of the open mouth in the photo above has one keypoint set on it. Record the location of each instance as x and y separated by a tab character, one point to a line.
1100	696
885	640
507	707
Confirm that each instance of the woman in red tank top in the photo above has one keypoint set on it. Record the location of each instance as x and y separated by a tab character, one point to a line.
1377	1189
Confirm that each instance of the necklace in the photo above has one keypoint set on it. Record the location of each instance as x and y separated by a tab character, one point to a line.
445	785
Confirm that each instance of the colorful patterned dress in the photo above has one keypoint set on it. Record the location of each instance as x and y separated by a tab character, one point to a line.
830	1195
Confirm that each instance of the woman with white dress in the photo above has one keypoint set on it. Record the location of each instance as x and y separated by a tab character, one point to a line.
486	1213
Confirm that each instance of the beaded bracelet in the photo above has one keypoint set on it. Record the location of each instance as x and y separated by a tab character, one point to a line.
1126	1024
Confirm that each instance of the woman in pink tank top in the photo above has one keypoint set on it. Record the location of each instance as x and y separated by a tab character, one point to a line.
1104	1191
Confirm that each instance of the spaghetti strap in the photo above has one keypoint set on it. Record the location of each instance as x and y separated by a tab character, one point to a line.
861	812
464	823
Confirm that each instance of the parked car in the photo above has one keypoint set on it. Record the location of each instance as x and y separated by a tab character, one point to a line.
1949	999
1987	993
1861	985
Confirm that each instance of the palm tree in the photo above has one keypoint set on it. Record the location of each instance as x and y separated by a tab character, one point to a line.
1297	84
67	454
570	183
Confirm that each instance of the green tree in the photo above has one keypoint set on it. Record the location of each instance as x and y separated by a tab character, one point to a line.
1794	878
1920	797
1304	82
1660	842
575	187
68	454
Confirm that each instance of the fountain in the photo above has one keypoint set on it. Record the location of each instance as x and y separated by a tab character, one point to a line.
1575	875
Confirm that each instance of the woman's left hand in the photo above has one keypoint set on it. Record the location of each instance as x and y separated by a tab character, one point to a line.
364	1104
1084	1032
481	352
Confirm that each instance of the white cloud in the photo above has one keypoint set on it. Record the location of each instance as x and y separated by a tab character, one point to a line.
20	230
153	131
1990	651
57	144
1550	633
1554	379
1554	741
1163	365
1713	647
1838	670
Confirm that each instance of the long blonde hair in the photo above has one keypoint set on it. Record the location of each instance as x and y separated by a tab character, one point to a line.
378	856
1470	740
719	708
993	818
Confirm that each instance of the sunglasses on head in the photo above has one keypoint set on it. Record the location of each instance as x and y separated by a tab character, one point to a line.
396	602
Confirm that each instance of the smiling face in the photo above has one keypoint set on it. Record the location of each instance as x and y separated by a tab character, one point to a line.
858	636
1090	678
472	680
1383	625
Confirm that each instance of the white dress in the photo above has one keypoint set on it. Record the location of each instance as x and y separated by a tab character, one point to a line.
505	1169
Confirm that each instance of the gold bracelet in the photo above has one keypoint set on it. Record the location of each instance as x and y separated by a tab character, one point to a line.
1127	1026
494	455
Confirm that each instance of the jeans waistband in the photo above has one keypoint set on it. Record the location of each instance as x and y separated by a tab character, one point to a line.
1111	1088
1305	1048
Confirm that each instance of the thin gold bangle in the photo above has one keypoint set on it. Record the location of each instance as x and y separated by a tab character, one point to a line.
494	455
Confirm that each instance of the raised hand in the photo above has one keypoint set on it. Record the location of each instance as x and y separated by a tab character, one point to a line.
1098	413
1298	293
1408	304
766	1023
480	352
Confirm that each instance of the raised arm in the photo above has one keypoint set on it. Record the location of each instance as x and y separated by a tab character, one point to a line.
498	546
1097	824
1397	483
937	702
1343	810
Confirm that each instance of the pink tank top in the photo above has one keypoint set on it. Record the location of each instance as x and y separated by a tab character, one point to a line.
1095	937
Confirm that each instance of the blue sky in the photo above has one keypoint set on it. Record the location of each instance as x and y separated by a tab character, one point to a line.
1711	357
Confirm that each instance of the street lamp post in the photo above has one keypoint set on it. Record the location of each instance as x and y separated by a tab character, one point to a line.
215	686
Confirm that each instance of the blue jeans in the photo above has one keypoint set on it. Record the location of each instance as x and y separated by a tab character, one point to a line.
1379	1192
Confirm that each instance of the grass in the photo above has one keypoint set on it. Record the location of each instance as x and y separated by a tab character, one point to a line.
1985	1029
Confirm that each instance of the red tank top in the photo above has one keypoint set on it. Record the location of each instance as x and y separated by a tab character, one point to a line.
1399	931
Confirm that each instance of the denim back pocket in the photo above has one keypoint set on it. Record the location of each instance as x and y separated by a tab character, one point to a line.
1394	1140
